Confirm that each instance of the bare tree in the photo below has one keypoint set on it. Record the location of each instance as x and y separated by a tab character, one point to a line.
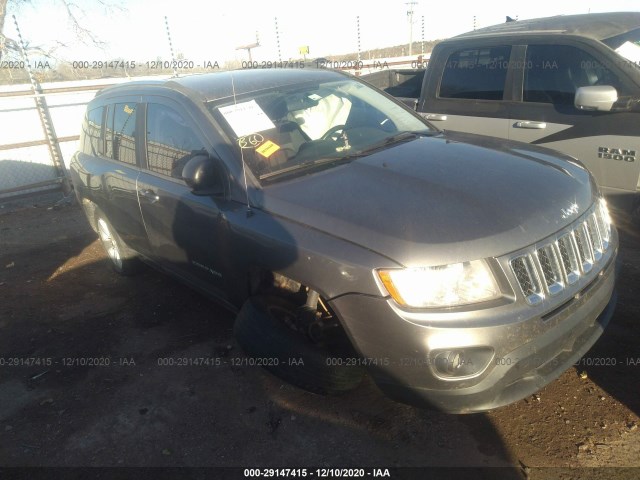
74	15
5	43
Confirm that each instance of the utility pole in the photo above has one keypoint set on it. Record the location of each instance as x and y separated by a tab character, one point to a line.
410	15
277	40
422	37
173	57
358	32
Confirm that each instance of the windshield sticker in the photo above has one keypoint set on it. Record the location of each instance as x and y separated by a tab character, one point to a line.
250	141
315	96
246	117
267	149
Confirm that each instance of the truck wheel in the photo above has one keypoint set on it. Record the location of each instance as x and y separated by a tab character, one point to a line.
261	330
635	213
123	260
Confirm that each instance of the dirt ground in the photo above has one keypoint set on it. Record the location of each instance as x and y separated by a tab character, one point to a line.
60	301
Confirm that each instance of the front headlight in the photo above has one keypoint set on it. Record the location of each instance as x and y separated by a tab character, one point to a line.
603	221
441	286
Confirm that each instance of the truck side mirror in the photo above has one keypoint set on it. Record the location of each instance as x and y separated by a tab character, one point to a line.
598	97
204	175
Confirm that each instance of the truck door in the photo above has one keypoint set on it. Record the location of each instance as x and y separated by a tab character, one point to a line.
469	95
607	143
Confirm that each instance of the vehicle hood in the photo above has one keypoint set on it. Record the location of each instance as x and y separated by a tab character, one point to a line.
438	200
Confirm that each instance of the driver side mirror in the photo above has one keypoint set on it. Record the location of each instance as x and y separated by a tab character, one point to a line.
597	98
204	175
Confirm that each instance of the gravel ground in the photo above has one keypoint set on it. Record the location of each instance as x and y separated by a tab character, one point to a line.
60	302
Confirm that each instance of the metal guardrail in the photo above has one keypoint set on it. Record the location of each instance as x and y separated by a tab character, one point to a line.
29	166
35	143
54	91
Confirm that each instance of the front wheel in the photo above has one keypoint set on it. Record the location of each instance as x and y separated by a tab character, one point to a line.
635	212
263	330
123	260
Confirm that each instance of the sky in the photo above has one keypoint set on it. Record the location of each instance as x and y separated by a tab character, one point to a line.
211	31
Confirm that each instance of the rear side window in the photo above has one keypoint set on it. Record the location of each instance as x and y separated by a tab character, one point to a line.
92	134
553	73
171	142
476	73
120	130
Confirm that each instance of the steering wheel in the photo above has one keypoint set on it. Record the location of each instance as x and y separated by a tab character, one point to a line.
331	134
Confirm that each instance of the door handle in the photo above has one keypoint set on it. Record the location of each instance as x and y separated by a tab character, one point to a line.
150	194
531	125
437	117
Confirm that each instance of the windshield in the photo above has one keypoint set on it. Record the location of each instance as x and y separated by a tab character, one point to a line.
627	45
299	127
630	51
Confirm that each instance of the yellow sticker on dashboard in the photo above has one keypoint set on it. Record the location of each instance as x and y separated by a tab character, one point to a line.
267	149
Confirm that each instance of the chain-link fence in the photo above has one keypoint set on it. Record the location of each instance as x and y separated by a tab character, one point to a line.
29	148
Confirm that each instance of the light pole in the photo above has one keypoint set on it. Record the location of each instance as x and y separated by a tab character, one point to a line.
410	15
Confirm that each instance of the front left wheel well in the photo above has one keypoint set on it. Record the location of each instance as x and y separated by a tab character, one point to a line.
315	315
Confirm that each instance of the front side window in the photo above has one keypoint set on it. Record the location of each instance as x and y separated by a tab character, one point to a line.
476	73
171	142
299	127
553	73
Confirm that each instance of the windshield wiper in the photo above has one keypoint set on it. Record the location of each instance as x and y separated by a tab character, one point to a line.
312	164
395	138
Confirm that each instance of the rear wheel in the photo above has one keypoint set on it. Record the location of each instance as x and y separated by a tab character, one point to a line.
123	260
265	329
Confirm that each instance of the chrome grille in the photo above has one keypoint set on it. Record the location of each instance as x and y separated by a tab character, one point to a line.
551	268
563	260
594	234
569	258
525	272
604	224
584	247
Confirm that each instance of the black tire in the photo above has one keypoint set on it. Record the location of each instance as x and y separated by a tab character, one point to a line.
635	213
262	333
122	259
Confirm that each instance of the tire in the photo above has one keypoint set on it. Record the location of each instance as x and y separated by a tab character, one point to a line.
635	213
260	330
122	259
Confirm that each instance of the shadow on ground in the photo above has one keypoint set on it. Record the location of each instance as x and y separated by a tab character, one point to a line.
142	371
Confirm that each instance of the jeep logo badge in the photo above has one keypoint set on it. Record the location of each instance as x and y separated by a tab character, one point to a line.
619	154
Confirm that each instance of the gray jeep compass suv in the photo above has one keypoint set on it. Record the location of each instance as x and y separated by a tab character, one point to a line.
461	272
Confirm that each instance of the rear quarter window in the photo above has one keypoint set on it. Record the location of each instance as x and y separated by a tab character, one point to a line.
92	138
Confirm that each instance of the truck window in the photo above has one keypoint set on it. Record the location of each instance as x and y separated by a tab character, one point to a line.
476	73
170	141
553	73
